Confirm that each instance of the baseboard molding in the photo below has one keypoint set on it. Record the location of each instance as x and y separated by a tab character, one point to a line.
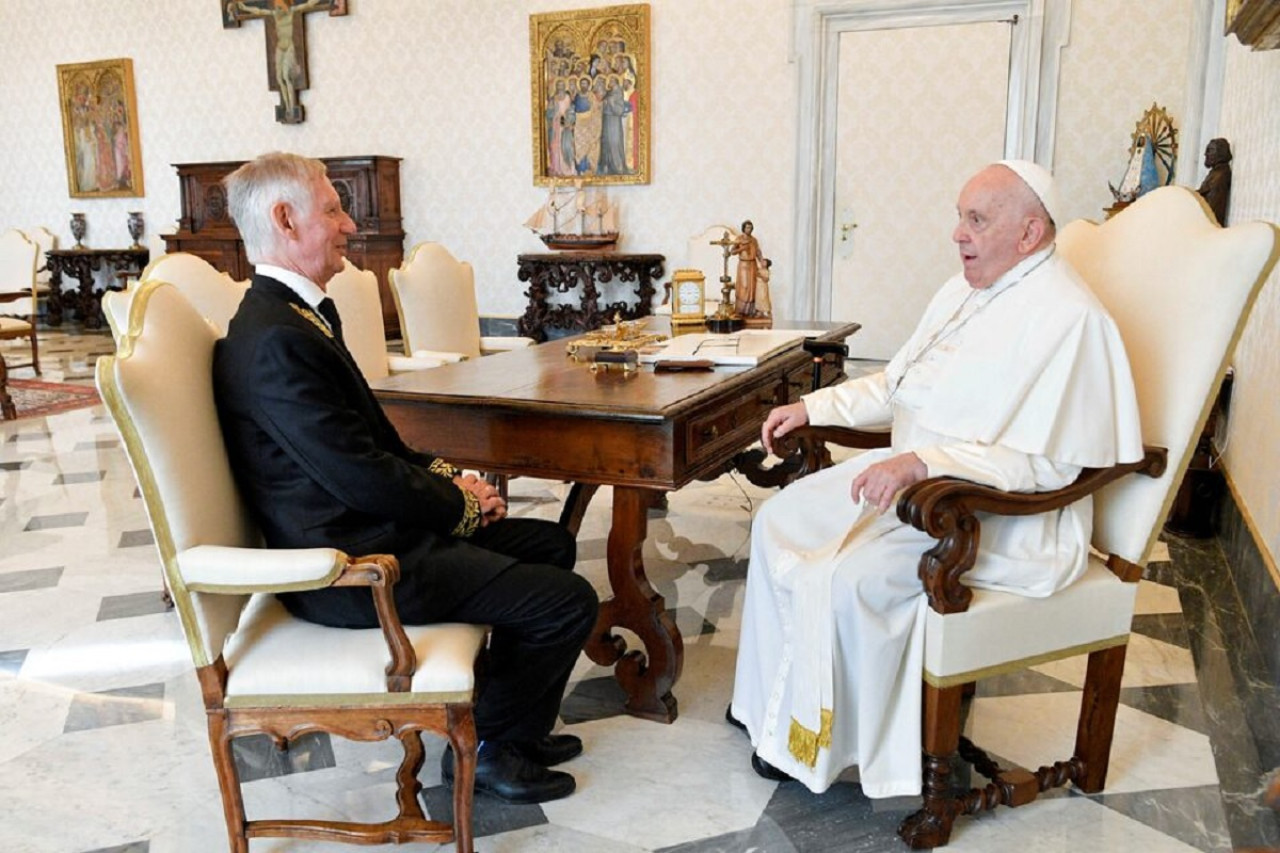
1254	573
1235	506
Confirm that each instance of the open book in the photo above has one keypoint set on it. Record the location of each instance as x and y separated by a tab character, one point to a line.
748	347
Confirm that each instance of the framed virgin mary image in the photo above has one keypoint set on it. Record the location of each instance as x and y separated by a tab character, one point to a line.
100	129
589	74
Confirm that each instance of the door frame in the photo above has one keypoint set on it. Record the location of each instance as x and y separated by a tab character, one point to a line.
1029	127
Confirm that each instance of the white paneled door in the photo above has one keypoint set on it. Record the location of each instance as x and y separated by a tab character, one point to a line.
918	110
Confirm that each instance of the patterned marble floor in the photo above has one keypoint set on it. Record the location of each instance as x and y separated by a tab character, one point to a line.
103	745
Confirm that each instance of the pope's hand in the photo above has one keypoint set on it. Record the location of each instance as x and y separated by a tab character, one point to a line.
881	482
781	421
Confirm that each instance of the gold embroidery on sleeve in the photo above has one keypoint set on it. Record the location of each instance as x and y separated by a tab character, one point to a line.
444	469
470	516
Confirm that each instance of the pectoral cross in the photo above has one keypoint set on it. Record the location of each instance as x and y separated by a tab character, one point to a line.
285	22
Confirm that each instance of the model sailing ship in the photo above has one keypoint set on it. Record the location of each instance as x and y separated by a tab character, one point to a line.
571	219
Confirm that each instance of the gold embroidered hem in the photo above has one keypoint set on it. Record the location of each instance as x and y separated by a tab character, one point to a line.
804	743
470	516
316	321
444	469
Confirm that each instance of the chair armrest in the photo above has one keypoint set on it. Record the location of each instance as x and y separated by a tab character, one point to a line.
231	571
843	436
380	572
240	571
409	363
803	451
504	343
439	355
946	509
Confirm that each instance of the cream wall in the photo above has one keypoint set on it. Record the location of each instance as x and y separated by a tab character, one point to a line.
444	84
1251	121
1120	59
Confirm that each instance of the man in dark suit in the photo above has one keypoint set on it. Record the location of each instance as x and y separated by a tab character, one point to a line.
320	465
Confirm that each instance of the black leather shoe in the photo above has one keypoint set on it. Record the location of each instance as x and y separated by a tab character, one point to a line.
732	720
550	750
503	772
767	770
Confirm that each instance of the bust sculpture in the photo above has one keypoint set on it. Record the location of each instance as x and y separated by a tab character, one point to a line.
1216	187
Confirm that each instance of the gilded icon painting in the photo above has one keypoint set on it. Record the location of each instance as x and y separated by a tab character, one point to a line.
100	129
590	74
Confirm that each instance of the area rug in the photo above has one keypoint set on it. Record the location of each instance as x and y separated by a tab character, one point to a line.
35	399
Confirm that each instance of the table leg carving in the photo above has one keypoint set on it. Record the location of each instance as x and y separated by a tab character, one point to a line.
8	411
53	302
646	676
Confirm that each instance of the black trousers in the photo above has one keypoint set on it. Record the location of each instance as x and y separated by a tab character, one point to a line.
541	613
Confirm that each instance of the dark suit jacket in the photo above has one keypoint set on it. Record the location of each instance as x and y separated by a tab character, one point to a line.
319	464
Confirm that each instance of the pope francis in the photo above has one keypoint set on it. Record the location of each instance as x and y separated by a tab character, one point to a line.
1016	377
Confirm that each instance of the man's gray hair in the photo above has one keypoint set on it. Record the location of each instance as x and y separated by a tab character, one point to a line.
257	186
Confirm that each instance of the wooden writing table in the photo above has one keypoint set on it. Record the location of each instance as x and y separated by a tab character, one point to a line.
539	413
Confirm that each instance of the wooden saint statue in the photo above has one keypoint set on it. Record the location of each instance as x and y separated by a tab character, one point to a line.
1216	187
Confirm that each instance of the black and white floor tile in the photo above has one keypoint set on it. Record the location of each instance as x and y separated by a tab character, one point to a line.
103	746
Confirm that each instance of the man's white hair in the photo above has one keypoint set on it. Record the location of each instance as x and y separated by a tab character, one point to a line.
257	186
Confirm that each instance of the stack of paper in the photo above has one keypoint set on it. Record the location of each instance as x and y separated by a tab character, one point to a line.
748	347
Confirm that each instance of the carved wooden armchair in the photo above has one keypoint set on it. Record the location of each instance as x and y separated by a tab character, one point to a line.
19	258
1180	289
261	671
435	297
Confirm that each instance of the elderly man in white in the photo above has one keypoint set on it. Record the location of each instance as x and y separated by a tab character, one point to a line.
1016	377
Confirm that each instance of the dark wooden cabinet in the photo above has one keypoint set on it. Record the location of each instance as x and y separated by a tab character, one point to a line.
370	191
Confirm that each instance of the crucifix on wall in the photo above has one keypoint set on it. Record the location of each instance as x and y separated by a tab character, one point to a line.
285	22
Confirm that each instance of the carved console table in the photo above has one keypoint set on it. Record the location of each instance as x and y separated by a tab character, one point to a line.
80	264
565	272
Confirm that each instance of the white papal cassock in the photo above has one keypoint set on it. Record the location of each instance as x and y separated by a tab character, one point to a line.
1017	386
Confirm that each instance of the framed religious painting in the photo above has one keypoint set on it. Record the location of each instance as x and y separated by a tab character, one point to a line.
100	129
590	76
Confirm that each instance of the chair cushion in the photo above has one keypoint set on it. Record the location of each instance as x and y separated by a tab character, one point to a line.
1003	631
12	324
274	655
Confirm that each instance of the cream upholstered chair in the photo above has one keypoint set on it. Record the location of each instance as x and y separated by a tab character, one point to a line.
215	295
261	671
436	299
1180	289
45	240
18	305
355	294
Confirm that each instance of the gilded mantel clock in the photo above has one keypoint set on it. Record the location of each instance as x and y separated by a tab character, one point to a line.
688	298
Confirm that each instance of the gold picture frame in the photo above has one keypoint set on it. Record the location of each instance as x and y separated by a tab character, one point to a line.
1256	23
603	124
100	129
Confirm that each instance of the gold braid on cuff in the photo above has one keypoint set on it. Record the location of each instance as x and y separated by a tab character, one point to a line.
470	516
444	469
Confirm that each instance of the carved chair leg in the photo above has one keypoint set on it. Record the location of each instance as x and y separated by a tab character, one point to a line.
407	784
228	781
1098	717
931	826
462	736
